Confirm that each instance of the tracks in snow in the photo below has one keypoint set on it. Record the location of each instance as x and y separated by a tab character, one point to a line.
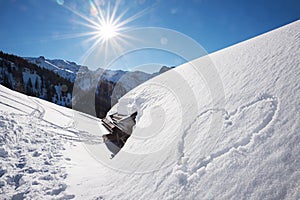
31	166
240	121
39	111
31	150
70	132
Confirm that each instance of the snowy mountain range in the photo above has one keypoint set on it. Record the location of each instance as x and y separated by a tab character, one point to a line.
53	80
65	69
231	134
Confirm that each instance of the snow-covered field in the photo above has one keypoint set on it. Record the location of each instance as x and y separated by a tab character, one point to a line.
230	135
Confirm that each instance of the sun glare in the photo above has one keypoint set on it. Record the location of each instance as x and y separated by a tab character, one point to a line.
107	26
107	31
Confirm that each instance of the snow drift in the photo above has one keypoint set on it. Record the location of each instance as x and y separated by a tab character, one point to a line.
254	151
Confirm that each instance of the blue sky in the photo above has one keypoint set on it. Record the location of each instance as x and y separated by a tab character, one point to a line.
35	27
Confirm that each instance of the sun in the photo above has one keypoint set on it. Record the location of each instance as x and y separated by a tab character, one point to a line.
107	27
107	31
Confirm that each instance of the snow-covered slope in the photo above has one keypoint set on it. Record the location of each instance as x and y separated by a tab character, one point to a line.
241	145
34	136
232	133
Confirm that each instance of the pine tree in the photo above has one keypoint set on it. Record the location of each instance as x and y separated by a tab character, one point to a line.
29	87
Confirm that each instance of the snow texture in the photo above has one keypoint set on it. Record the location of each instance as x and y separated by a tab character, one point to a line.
187	144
